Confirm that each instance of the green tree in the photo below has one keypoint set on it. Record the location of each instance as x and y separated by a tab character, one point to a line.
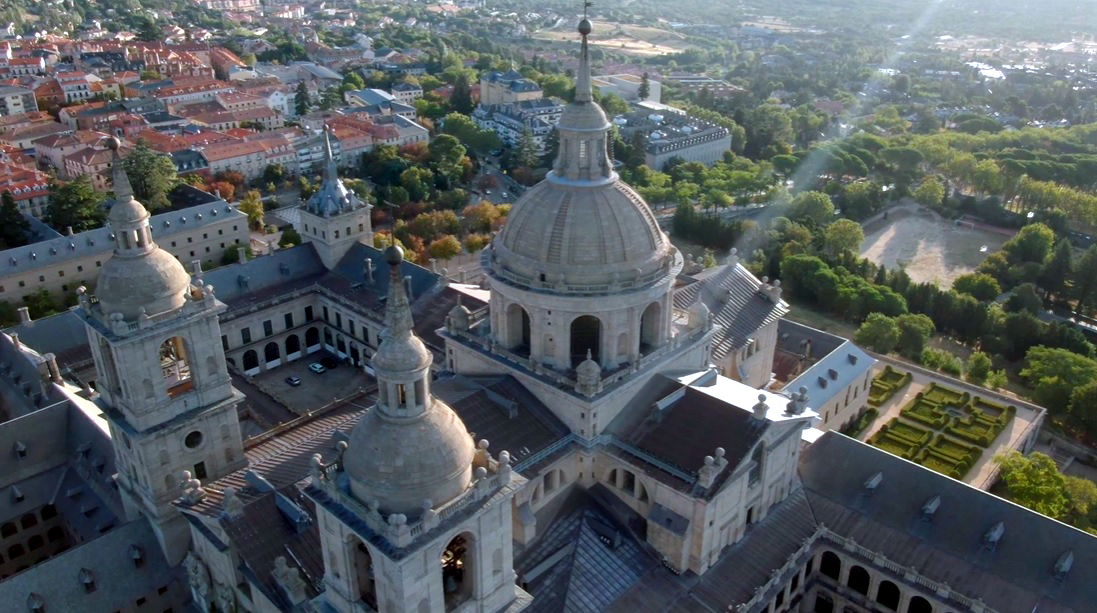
914	331
40	304
152	175
301	101
150	75
1035	482
978	367
645	87
460	99
13	226
978	285
1032	244
1057	269
75	204
147	30
879	333
252	206
1055	373
843	236
525	153
930	192
815	206
418	181
1085	279
1024	298
447	154
274	173
290	237
1082	494
1083	407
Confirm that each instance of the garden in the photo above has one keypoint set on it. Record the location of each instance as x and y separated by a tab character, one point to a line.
887	384
952	431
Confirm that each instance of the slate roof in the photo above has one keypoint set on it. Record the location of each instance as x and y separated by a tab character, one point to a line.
733	296
832	374
1016	575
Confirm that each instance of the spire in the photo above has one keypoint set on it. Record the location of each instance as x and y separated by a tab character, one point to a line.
398	310
582	81
331	173
123	191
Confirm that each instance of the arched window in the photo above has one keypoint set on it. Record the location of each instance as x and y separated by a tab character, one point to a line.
55	534
29	520
830	565
36	542
586	335
919	605
271	352
887	595
457	571
293	344
15	551
8	529
651	327
340	345
363	575
251	359
858	579
328	339
518	330
823	604
641	492
312	337
48	512
175	365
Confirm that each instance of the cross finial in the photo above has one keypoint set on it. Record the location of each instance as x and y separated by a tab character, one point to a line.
586	5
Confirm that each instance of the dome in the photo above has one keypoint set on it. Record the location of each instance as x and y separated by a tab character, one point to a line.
401	462
154	282
581	235
127	211
583	116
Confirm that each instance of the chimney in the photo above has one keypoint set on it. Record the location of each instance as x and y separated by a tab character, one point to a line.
243	251
407	288
15	339
51	364
369	270
24	315
68	231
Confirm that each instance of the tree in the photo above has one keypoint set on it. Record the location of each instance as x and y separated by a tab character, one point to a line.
290	237
150	75
447	155
1055	373
1057	269
815	206
843	236
75	204
978	367
274	173
460	99
1085	279
13	226
301	101
914	331
978	285
444	247
930	192
152	175
879	333
418	181
1024	299
1032	244
252	206
1035	482
525	153
147	30
645	88
249	59
1082	494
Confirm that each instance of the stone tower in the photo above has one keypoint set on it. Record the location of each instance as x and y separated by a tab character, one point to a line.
413	517
155	338
334	218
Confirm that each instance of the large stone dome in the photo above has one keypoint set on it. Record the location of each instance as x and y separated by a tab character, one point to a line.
153	283
402	462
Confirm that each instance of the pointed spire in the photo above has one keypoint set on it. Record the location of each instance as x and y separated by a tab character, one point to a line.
583	91
331	173
123	191
398	319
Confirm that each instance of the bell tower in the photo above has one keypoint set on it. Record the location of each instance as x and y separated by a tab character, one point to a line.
155	338
334	218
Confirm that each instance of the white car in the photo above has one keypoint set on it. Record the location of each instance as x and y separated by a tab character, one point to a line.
317	367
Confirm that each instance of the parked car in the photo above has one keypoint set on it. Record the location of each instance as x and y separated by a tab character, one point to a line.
294	381
317	367
328	363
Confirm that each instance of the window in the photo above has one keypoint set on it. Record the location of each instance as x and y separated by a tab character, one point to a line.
268	328
200	470
207	249
172	243
41	278
205	236
308	313
98	263
193	439
234	228
220	232
350	322
190	239
338	320
245	336
326	317
192	254
22	284
79	269
289	320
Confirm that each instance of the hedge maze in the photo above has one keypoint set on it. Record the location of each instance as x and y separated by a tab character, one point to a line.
886	384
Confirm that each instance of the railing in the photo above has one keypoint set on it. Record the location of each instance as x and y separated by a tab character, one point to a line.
604	440
667	268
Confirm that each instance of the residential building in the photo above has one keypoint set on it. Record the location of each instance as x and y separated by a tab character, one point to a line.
673	134
627	86
16	100
507	87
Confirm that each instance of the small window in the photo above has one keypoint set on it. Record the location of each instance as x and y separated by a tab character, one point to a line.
79	269
245	336
225	342
190	239
193	439
308	313
200	470
268	328
41	278
22	284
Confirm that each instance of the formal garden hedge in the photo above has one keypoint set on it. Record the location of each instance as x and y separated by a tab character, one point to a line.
970	423
886	384
862	423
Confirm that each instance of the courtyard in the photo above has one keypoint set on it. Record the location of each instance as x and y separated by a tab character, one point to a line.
315	390
929	247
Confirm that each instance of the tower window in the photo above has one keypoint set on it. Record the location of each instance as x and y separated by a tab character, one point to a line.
200	470
401	394
175	366
193	439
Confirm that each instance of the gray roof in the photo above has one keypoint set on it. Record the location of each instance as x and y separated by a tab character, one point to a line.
1017	574
319	71
64	335
372	96
732	294
7	90
832	374
245	283
50	253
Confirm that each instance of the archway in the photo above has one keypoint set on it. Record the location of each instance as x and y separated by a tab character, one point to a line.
312	338
858	579
329	341
251	360
340	346
293	345
175	366
586	335
887	595
650	327
830	565
355	356
919	605
271	354
457	571
518	330
364	585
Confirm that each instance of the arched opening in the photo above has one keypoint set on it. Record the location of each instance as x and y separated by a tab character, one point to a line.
29	521
329	340
271	353
293	345
231	362
641	493
823	604
457	571
340	346
830	565
919	605
586	335
858	579
8	529
363	575
650	327
175	366
887	595
355	356
518	330
312	338
251	360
